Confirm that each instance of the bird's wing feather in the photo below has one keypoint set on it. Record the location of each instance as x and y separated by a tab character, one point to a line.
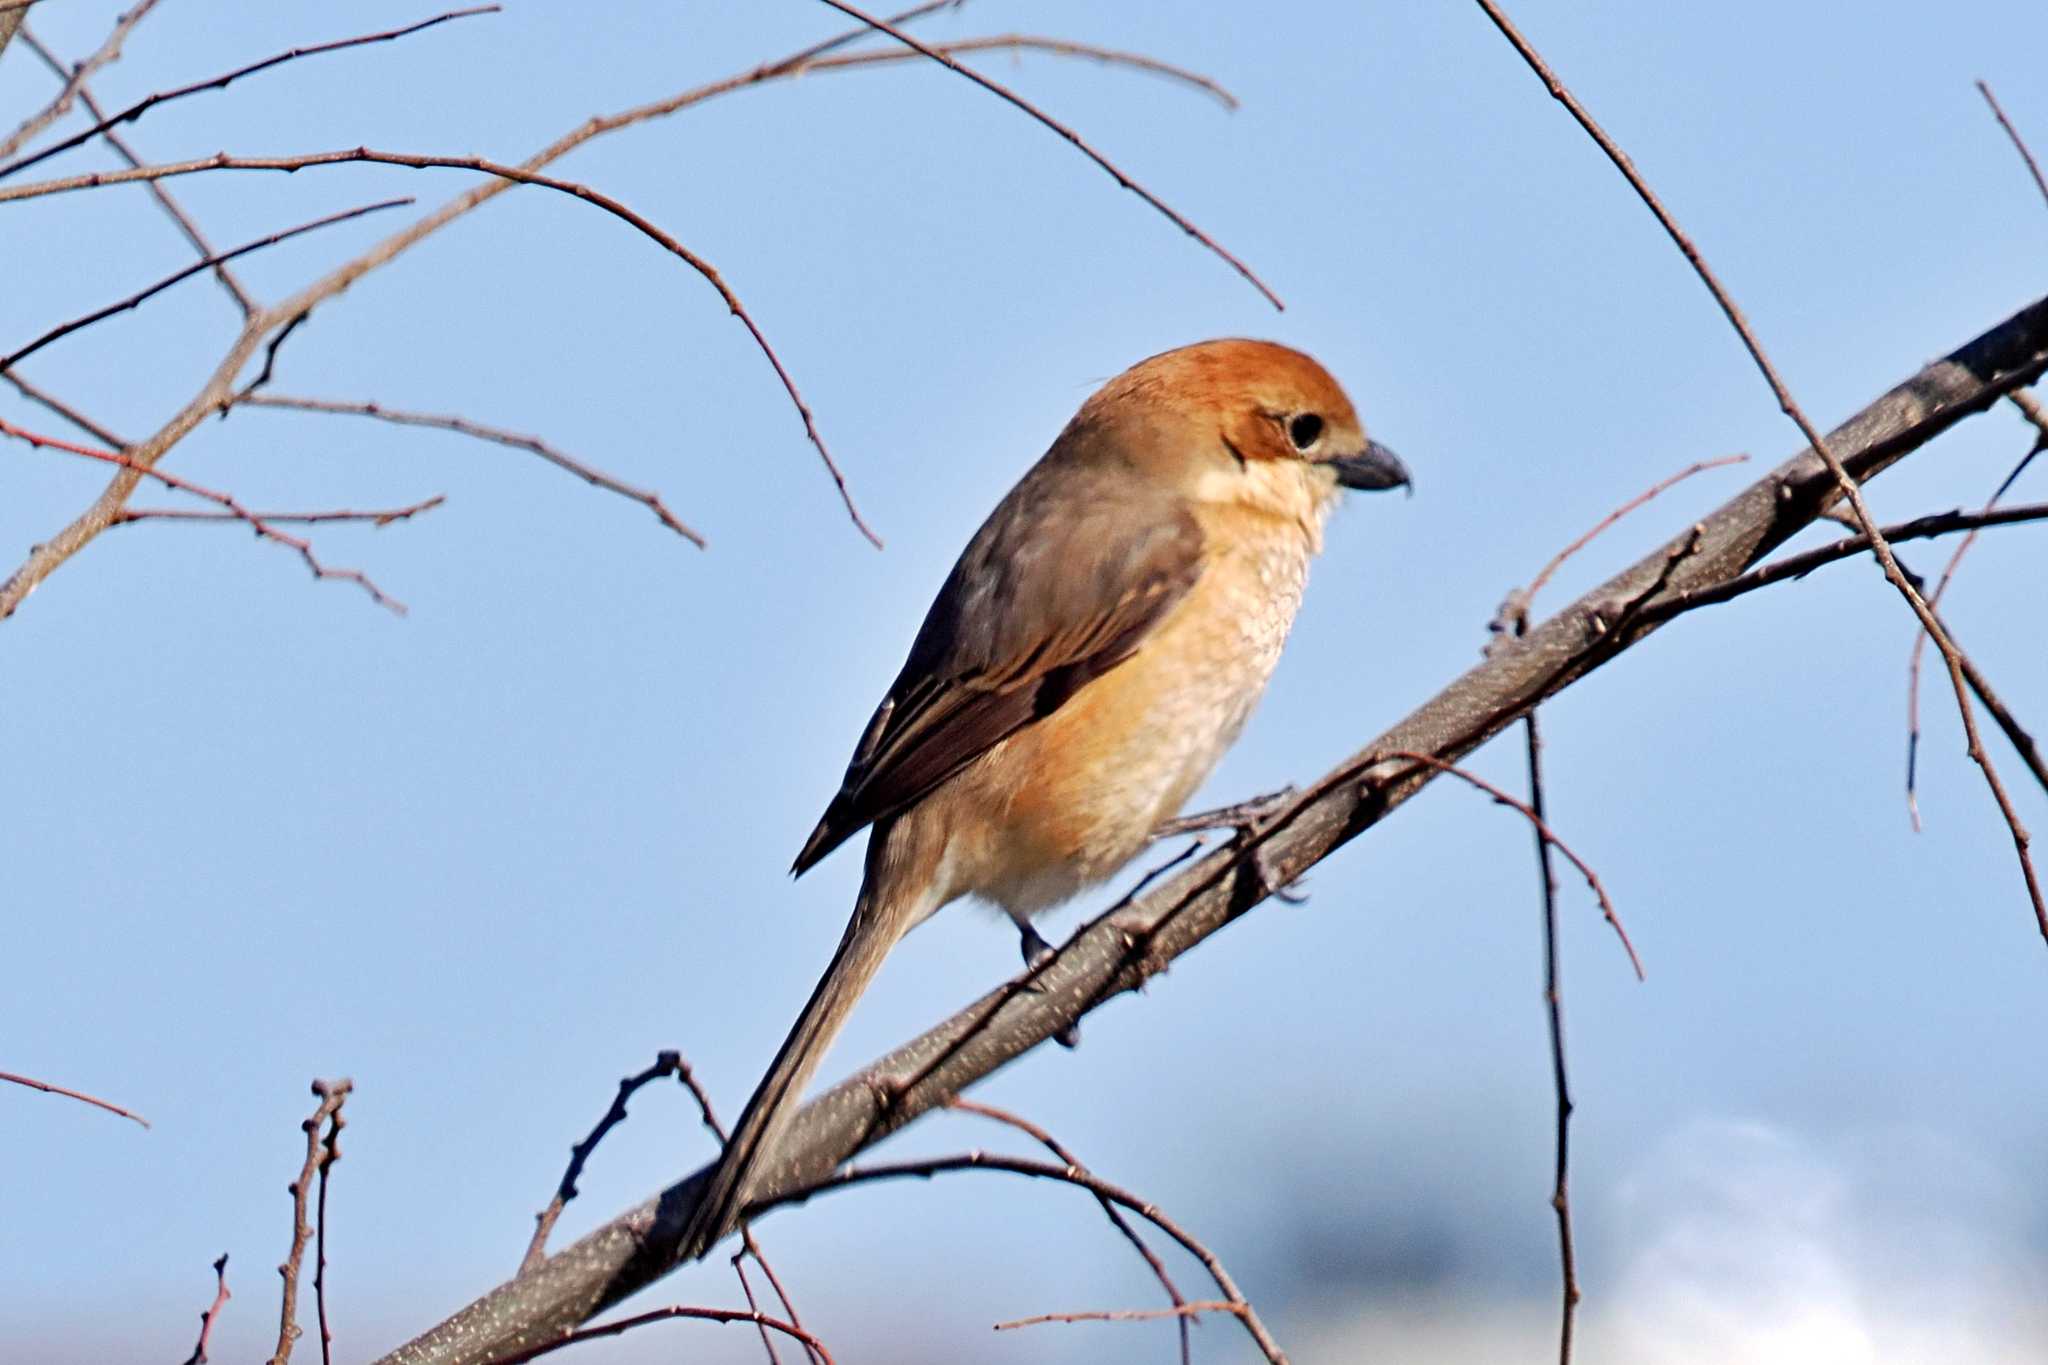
1061	584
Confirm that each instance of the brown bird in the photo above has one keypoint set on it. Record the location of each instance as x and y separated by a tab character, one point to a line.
1097	647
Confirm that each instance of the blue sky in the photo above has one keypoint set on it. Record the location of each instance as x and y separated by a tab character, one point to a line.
488	858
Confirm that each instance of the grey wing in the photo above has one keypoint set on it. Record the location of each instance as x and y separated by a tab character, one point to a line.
1067	576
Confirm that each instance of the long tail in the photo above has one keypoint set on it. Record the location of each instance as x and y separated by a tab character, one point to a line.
870	934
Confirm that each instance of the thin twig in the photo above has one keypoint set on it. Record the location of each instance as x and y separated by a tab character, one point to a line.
1063	47
2018	142
667	1063
136	299
739	1268
1079	144
108	51
1919	650
1181	1308
212	1314
225	500
385	517
57	548
669	1314
1239	1306
64	410
326	1115
1514	608
519	175
68	1093
1845	486
221	82
1560	1079
1543	832
163	197
595	477
1186	1312
330	1153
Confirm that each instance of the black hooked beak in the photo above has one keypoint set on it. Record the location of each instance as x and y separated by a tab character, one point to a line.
1373	468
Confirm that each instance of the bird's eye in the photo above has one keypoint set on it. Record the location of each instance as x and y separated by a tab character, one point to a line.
1304	429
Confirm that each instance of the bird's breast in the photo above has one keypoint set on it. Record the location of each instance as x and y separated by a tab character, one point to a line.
1064	803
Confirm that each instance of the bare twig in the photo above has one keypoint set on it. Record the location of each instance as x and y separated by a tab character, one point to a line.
1515	607
1560	1078
1919	650
1845	486
1181	1308
670	1314
217	392
134	300
1186	1312
108	51
221	82
595	477
1543	832
330	1153
667	1063
1079	144
163	196
1236	1303
11	1078
321	1130
227	501
515	174
64	410
212	1314
1030	42
130	515
2018	142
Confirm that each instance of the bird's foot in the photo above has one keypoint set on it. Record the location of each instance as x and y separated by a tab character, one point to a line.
1037	952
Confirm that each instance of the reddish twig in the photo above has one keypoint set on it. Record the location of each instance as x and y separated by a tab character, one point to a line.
739	1268
134	300
381	518
1062	47
666	1063
321	1130
1181	1308
163	197
1005	93
597	478
1239	1306
1846	486
2018	142
1515	608
256	523
1186	1312
669	1314
1543	831
518	175
108	51
11	1078
212	1314
221	82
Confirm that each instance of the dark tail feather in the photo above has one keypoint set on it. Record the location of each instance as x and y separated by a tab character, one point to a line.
869	936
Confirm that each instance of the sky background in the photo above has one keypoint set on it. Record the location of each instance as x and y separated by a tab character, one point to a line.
490	857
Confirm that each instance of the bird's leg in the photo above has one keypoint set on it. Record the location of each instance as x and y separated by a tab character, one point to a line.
1037	952
1240	817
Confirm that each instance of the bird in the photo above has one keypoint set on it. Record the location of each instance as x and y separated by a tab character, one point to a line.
1098	645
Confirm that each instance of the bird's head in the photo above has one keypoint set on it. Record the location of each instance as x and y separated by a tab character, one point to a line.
1249	423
